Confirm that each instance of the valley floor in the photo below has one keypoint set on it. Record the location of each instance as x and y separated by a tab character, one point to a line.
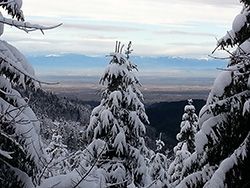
152	93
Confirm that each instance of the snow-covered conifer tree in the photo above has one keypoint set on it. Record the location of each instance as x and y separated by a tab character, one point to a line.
175	175
58	157
189	126
116	126
159	144
159	165
222	145
185	145
21	155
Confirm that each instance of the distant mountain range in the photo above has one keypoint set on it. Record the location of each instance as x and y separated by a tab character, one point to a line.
75	64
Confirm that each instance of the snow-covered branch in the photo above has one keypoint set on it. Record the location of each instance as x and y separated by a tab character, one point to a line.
24	72
26	26
90	169
219	176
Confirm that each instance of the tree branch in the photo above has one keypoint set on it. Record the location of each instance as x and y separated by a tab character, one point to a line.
26	26
90	169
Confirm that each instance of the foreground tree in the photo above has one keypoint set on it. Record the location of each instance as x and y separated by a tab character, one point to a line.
222	145
116	126
21	154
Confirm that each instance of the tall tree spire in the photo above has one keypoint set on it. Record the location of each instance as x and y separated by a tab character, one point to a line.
117	124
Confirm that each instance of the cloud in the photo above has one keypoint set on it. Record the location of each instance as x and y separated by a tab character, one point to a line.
192	44
134	11
89	46
101	27
176	32
224	3
92	27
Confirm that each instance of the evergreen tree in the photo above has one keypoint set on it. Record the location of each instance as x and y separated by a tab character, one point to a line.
189	126
158	166
221	158
185	146
21	154
159	144
58	156
116	126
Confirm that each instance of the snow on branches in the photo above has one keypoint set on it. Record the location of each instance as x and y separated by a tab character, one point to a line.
221	157
58	157
119	123
22	156
13	8
185	146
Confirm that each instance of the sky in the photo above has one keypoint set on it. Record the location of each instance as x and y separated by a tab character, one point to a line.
184	28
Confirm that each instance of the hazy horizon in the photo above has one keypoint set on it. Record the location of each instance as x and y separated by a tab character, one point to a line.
73	66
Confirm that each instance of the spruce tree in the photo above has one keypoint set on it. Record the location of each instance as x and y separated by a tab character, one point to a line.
221	158
189	126
21	154
116	126
185	146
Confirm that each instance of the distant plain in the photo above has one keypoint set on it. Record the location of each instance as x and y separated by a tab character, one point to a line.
153	93
162	78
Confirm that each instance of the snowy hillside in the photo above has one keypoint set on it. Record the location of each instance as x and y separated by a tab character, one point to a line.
73	116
